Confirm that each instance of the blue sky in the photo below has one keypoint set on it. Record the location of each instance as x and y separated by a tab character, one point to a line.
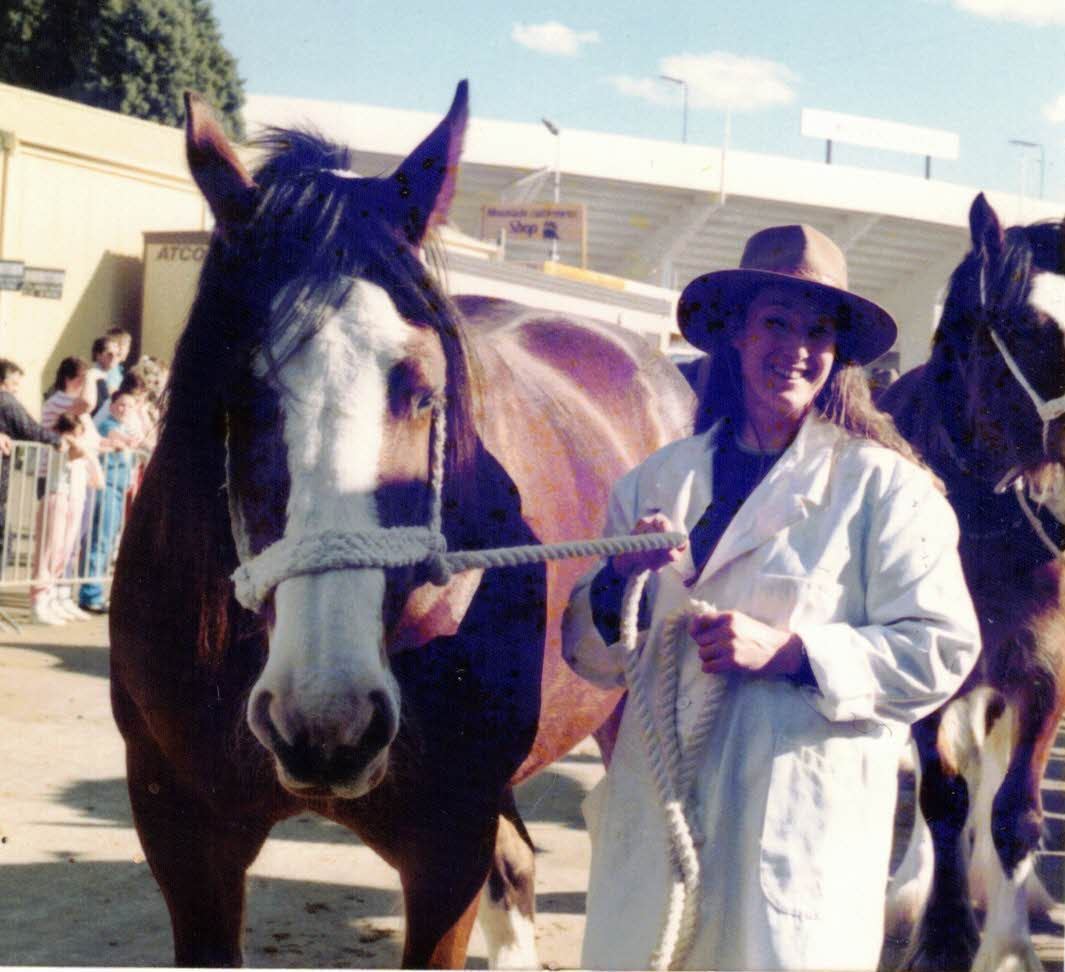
989	70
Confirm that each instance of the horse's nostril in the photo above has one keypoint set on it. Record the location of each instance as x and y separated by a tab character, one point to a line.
384	716
311	759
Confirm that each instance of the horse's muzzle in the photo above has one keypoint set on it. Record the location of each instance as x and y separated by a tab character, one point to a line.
316	763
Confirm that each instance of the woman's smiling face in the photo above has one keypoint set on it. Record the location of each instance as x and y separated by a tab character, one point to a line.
786	351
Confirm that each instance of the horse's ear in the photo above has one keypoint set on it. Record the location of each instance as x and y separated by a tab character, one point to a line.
985	228
425	182
222	178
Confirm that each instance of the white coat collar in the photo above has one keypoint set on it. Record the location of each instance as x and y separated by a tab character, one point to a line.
797	481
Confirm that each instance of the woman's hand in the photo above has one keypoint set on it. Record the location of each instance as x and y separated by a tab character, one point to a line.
731	641
633	563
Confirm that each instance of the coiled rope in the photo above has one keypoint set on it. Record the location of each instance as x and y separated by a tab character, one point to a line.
673	767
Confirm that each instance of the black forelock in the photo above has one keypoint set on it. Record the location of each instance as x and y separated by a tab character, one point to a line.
321	231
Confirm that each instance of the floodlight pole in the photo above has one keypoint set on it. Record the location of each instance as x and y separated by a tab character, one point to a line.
554	130
1024	143
684	94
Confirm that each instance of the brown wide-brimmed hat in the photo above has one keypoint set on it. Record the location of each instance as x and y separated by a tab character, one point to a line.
798	257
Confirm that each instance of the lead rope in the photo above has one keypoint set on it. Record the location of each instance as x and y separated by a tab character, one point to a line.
409	546
673	770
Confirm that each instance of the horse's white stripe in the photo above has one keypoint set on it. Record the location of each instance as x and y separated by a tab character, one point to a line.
326	646
1048	295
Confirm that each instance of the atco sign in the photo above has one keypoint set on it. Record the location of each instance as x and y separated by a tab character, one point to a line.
534	221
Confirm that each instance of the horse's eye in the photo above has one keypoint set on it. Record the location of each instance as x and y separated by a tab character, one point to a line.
423	401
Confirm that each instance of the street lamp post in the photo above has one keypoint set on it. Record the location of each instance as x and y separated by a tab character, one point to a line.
1024	143
684	93
554	130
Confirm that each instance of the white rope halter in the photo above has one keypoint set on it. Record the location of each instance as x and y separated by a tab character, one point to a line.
1048	410
314	553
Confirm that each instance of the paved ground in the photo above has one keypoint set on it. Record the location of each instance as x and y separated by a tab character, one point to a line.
74	888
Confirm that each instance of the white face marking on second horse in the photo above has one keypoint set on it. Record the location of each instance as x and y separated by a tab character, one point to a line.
1048	295
326	646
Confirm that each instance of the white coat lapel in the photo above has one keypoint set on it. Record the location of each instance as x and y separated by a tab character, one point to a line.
690	501
797	481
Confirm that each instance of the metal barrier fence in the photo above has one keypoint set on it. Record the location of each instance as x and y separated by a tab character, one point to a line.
62	521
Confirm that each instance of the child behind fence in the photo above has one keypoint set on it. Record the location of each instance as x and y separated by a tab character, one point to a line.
59	523
108	511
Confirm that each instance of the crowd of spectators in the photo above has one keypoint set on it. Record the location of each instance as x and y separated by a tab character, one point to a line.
101	419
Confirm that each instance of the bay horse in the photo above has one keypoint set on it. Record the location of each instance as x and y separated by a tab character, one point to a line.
988	415
302	404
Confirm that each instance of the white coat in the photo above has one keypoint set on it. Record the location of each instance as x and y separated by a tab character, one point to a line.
853	548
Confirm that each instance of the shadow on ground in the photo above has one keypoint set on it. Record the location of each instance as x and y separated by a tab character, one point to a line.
117	918
91	660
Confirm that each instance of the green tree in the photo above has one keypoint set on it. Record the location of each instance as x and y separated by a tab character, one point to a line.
132	56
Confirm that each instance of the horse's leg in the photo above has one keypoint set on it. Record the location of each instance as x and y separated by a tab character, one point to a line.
946	936
984	869
1006	942
442	873
1016	823
198	858
909	886
508	903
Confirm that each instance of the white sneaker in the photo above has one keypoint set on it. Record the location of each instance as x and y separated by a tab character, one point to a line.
66	608
43	611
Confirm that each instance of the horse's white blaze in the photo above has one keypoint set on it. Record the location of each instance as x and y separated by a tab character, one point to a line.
509	935
326	645
1048	295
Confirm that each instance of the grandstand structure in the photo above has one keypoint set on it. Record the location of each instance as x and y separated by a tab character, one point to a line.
660	213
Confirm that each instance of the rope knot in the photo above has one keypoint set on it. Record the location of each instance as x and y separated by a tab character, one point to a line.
437	568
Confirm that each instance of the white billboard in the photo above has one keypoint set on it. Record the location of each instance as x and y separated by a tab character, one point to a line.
880	134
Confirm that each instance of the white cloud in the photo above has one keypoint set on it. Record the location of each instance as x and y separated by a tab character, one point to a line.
715	80
553	38
652	90
1055	111
1036	12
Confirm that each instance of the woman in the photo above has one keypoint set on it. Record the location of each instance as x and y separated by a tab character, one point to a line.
840	616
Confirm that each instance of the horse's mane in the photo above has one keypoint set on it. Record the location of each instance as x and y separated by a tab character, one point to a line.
316	224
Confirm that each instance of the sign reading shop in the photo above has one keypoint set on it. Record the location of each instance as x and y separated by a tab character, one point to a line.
534	221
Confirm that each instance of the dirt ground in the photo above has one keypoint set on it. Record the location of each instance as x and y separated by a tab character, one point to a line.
75	890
